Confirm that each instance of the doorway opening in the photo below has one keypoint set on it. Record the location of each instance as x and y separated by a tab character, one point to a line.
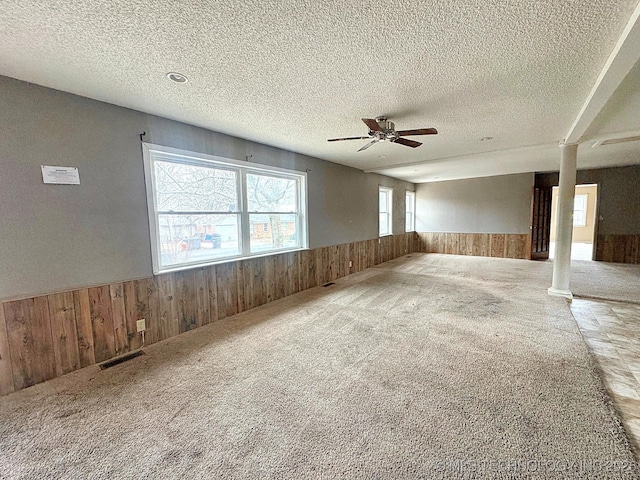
584	222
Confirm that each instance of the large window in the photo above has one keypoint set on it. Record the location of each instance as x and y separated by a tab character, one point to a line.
385	201
410	214
205	209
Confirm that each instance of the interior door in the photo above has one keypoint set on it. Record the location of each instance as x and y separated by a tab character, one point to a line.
541	223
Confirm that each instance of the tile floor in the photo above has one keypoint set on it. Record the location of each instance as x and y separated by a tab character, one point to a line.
612	332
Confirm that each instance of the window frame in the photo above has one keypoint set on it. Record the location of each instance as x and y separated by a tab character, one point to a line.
152	153
389	192
410	194
584	197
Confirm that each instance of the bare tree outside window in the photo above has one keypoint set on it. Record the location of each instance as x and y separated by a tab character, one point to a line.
182	192
272	200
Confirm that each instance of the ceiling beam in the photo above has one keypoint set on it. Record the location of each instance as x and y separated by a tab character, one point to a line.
480	156
624	56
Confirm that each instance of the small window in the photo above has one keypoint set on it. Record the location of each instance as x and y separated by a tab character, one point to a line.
580	210
385	200
410	215
205	209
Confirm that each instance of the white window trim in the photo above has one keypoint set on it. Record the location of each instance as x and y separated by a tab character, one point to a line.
194	158
585	200
389	190
412	194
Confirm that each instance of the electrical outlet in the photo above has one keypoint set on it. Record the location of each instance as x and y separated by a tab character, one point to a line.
350	263
140	325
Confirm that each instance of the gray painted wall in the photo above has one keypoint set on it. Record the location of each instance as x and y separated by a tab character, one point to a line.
619	197
60	237
480	205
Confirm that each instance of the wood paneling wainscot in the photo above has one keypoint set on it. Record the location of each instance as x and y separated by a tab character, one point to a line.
6	375
502	245
618	248
47	336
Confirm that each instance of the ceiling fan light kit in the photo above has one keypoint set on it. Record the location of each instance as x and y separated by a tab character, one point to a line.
381	130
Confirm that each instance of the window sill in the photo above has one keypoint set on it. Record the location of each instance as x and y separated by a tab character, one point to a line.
193	266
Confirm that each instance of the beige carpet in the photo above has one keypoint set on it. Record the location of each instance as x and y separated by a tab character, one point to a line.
432	366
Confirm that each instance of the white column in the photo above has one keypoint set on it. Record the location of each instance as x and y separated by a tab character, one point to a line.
564	222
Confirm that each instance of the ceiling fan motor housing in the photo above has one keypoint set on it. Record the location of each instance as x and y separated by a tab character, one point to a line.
388	131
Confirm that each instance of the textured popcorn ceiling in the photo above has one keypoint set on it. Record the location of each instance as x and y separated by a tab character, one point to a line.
294	73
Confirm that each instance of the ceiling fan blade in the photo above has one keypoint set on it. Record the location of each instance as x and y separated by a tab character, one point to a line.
368	145
419	131
407	142
346	138
372	124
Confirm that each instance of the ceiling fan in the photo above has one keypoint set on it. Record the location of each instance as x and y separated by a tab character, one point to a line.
381	129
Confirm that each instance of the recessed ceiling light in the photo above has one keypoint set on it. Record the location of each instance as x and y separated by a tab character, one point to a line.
177	77
382	156
486	139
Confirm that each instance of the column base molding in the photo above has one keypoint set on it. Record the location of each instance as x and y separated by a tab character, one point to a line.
554	292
